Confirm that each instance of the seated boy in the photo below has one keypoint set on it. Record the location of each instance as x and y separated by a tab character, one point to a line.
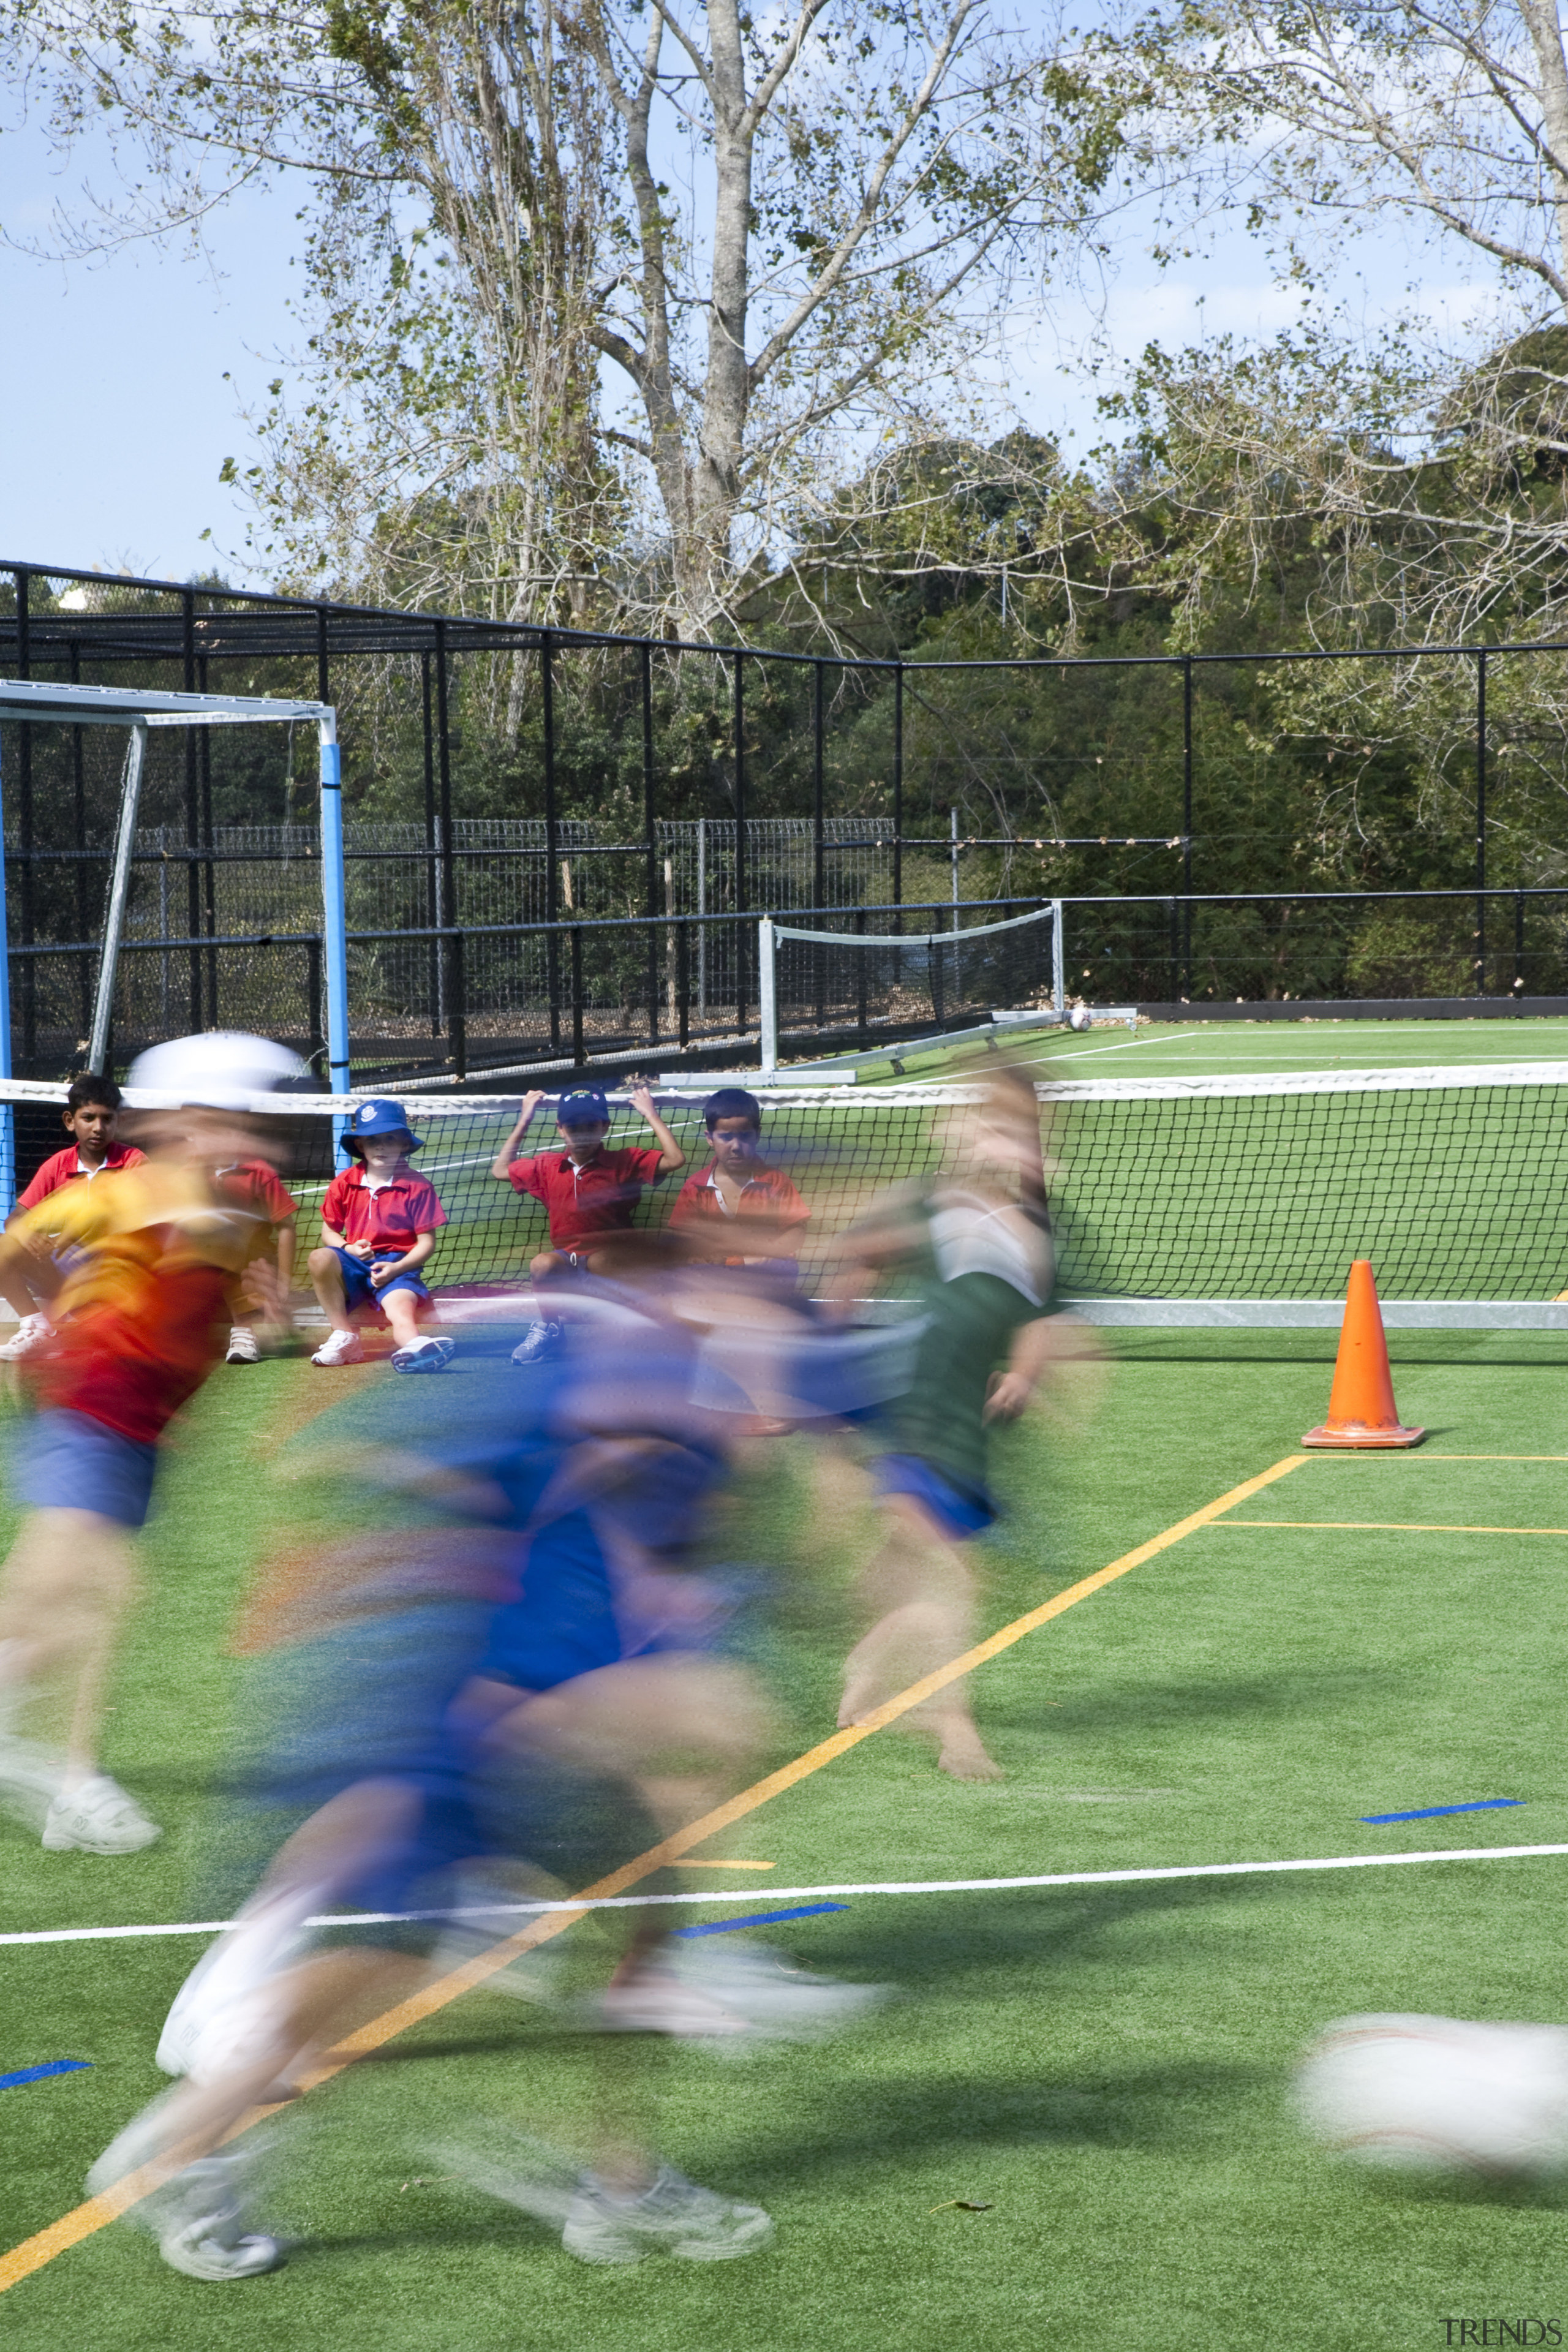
379	1222
587	1191
737	1184
268	1274
29	1283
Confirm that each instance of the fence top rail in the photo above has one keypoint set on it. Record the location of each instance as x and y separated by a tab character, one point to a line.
462	633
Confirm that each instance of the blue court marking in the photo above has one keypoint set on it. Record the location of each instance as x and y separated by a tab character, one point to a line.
761	1919
1430	1813
37	2074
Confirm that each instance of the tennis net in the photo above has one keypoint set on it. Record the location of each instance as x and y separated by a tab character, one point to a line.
1202	1199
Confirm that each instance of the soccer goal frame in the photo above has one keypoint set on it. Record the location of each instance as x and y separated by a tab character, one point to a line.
771	931
40	703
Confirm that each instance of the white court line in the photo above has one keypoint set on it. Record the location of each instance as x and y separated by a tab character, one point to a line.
1185	1038
773	1895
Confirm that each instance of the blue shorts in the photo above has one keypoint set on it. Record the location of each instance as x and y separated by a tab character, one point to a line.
959	1511
359	1291
69	1461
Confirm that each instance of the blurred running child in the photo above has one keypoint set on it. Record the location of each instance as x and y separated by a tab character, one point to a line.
737	1210
141	1316
92	1105
268	1274
379	1222
587	1191
979	1242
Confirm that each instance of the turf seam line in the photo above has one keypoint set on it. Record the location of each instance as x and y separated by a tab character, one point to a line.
84	2220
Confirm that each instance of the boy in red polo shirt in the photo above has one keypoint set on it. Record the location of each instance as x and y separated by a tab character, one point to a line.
739	1189
92	1105
379	1222
255	1186
587	1190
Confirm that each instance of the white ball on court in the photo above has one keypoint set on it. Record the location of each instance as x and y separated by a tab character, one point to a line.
1079	1017
1438	2094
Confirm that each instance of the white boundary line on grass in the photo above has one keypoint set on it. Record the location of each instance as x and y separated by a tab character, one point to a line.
773	1895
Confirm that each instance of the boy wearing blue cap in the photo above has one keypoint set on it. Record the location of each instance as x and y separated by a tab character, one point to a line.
587	1191
379	1222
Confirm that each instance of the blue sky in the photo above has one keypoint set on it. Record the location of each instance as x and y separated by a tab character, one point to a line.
125	378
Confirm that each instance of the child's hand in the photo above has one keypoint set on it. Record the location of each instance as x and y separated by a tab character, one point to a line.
360	1249
641	1100
530	1102
383	1272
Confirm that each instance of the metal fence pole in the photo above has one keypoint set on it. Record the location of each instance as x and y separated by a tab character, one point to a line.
551	833
897	792
1186	969
432	871
577	996
7	1116
1058	963
83	918
119	893
1480	823
818	877
767	998
740	891
451	947
24	824
650	842
209	868
1518	941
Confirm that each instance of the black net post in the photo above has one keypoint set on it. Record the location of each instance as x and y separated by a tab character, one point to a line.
209	868
861	1037
935	952
577	996
650	844
1518	941
818	877
1482	823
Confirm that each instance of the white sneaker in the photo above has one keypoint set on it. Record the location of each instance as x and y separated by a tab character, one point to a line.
778	2000
655	2000
339	1347
673	2216
242	1346
211	2249
98	1816
425	1356
32	1333
546	1331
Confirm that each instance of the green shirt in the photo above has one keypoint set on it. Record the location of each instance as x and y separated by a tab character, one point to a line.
983	1268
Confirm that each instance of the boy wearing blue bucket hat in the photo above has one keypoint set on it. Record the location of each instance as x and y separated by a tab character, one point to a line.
379	1222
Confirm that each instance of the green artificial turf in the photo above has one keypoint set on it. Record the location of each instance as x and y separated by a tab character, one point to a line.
1106	2067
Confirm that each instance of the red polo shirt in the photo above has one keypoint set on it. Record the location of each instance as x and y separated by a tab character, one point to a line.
65	1168
392	1217
767	1193
597	1198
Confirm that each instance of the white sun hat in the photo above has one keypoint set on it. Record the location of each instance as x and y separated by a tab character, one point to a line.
223	1069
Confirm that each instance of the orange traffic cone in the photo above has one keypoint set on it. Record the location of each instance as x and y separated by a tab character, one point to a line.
1361	1411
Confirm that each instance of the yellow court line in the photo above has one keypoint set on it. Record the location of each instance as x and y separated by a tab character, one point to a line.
97	2212
1409	1527
1424	1457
